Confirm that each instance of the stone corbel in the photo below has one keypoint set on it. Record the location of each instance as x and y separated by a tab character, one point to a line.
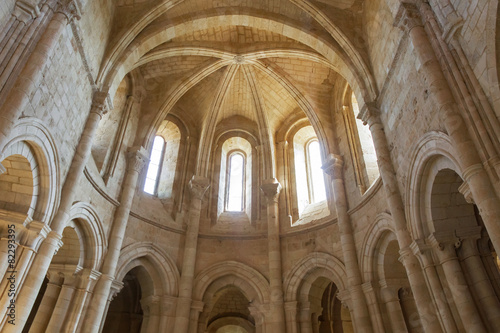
344	296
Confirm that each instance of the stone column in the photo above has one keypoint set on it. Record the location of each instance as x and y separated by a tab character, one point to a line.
271	190
41	262
334	168
196	309
32	74
370	115
48	303
391	299
198	186
305	317
259	318
137	158
63	301
480	282
373	307
153	303
85	283
444	246
116	287
168	304
422	252
291	316
467	155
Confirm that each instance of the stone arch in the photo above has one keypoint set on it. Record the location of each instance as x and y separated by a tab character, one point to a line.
433	152
312	266
160	267
493	53
32	139
84	217
252	283
220	323
383	223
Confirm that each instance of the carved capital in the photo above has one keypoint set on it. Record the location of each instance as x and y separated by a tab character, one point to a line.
137	158
198	186
100	103
408	17
271	189
334	166
26	10
370	114
116	287
69	8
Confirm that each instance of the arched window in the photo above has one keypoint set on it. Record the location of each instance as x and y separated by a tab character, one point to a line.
309	177
316	181
151	183
235	194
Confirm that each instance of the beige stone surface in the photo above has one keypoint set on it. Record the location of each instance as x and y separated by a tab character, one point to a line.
402	96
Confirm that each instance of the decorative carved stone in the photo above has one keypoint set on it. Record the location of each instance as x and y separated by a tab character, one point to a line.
408	17
271	190
99	103
334	166
137	158
370	114
198	186
26	10
69	8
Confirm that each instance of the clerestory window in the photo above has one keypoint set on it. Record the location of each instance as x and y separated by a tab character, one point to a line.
235	192
155	160
316	181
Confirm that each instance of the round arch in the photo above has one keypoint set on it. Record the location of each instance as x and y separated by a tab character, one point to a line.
35	136
312	266
249	280
433	152
383	223
83	217
160	267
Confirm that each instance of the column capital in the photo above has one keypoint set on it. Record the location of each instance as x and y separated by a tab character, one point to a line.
198	186
271	189
26	10
369	114
69	8
464	189
137	158
408	17
116	287
334	166
100	103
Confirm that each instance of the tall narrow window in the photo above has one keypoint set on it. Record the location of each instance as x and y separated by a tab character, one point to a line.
236	186
151	183
317	182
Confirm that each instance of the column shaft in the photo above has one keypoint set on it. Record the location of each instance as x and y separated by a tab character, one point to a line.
136	161
198	187
46	307
371	115
467	155
334	167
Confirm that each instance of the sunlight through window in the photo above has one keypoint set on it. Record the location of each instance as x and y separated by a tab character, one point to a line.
235	192
154	165
317	180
